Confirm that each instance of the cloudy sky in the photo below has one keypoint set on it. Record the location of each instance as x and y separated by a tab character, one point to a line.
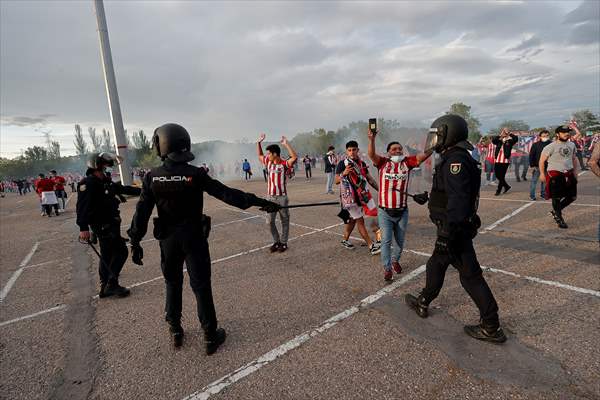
230	70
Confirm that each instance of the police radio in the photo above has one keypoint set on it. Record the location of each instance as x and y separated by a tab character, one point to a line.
373	125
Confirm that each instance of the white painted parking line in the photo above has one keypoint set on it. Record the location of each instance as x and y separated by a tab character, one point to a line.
254	365
243	253
17	273
506	217
501	271
217	225
544	281
540	202
37	314
47	263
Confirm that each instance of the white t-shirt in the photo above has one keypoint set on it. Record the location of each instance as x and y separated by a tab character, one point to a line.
560	155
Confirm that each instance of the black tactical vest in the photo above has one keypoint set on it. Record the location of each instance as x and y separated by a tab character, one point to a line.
178	193
438	200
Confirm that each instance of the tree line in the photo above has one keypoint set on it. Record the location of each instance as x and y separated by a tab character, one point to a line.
37	159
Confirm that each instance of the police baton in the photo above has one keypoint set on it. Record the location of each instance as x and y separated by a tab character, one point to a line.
329	203
89	243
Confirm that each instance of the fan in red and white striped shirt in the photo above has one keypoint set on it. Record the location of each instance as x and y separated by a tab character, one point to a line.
394	179
276	181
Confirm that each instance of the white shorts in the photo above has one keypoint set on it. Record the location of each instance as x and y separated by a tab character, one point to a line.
356	212
49	198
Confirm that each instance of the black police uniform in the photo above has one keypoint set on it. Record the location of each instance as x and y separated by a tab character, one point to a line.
98	208
453	207
182	230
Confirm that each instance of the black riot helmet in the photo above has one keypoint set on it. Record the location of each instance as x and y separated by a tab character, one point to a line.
100	160
447	131
172	141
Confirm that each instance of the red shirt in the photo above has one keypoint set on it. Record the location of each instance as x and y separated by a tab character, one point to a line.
393	181
59	182
491	149
276	179
44	185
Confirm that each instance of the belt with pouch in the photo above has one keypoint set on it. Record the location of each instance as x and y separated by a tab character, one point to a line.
393	212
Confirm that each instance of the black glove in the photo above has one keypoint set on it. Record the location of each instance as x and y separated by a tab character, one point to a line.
421	198
137	253
442	245
270	207
265	205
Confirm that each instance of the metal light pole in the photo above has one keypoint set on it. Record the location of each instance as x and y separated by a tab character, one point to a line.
111	92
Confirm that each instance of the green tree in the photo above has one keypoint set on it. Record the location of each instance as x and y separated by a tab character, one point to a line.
80	144
148	160
54	152
585	119
514	125
95	139
107	142
465	111
140	141
35	153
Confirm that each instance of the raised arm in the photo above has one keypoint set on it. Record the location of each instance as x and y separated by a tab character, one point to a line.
259	150
371	150
292	153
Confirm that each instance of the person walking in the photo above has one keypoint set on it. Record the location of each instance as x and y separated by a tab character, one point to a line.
177	189
453	209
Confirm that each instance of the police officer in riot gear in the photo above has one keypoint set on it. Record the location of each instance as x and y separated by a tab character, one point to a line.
453	209
177	189
98	199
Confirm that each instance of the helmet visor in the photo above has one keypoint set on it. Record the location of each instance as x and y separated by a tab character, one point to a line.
432	139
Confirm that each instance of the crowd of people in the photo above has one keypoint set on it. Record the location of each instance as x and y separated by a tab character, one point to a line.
176	188
51	189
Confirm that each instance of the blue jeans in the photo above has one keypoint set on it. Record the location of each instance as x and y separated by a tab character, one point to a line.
489	171
534	180
330	180
391	228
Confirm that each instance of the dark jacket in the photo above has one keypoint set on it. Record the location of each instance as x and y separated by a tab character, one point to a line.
98	201
536	152
508	145
177	190
455	192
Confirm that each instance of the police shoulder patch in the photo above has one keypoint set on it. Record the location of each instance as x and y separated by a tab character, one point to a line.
82	188
455	168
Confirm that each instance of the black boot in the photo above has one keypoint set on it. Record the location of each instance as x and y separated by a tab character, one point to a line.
487	334
418	304
114	289
102	293
176	333
559	220
214	340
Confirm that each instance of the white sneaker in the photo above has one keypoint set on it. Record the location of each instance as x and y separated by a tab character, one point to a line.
347	244
375	249
494	183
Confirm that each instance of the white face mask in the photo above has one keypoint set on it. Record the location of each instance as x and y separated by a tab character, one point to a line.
396	159
545	139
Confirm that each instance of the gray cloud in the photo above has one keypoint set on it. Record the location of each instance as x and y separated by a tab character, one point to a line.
586	33
588	10
228	70
526	44
25	121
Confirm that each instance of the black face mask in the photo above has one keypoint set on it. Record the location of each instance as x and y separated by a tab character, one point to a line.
563	140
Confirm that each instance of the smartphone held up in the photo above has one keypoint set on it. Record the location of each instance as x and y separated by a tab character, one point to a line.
373	125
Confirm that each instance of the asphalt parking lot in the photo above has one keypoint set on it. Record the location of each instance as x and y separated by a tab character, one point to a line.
317	321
